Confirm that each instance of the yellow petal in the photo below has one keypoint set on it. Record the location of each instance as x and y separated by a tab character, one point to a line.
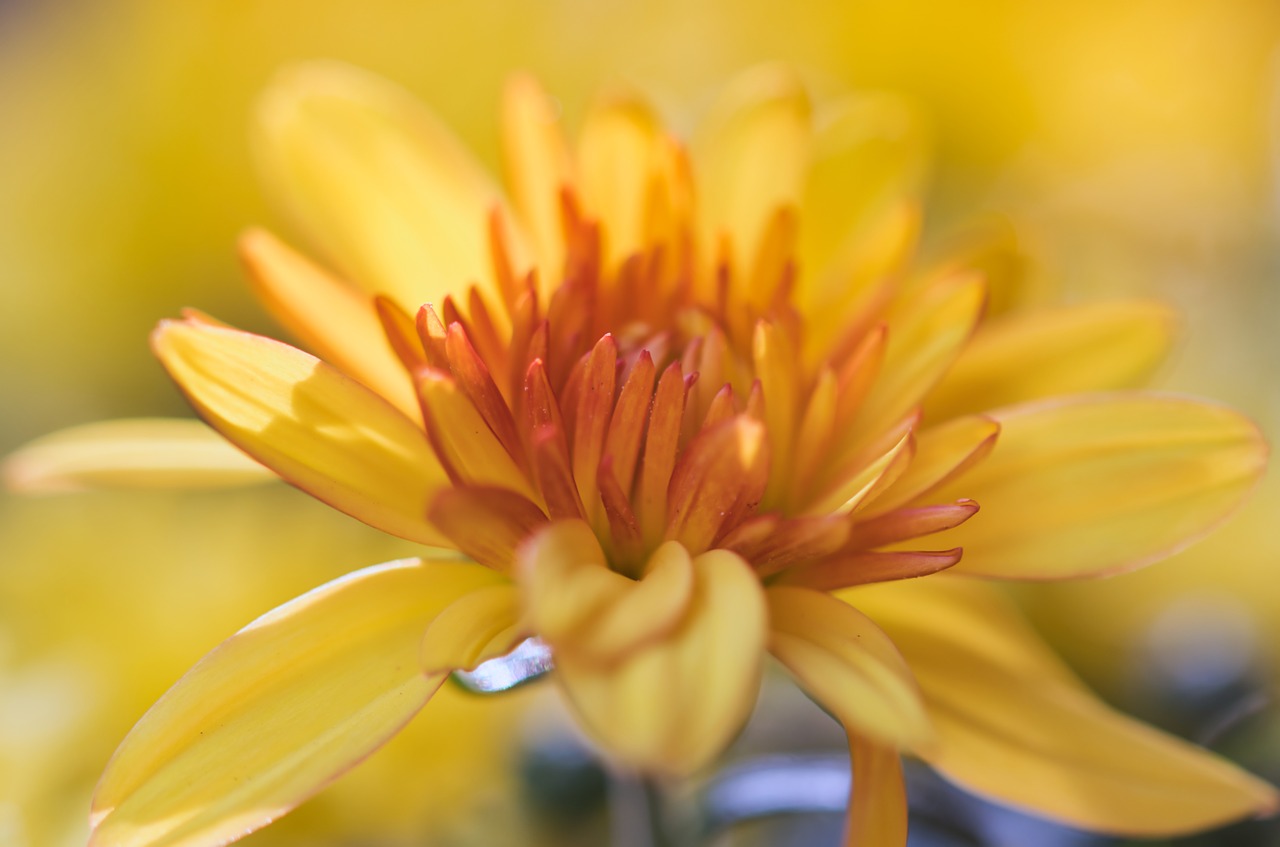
335	321
135	453
584	610
1014	724
538	167
927	330
617	155
1099	484
376	183
847	664
476	627
280	709
320	430
1097	347
942	452
673	705
751	156
878	799
870	153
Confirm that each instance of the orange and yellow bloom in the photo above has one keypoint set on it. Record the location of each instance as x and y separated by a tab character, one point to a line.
675	414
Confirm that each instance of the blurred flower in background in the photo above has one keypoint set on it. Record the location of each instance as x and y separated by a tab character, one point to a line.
1129	143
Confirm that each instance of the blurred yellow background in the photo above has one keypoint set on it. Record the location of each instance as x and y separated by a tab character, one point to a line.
1131	143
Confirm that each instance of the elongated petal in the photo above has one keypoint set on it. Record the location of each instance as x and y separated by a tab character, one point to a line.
942	453
133	453
751	156
1014	724
538	166
671	706
320	430
849	666
280	709
1103	483
927	331
878	798
376	182
335	321
1029	356
869	152
617	156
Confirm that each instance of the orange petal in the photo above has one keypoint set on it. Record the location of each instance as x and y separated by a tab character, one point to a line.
461	438
1015	725
673	705
720	476
845	570
280	709
1103	483
320	430
904	524
847	664
486	523
132	453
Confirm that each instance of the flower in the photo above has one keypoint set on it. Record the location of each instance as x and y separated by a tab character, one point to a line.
675	422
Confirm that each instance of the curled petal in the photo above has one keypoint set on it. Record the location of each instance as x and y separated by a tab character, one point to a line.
280	709
1014	724
584	610
672	705
320	430
133	453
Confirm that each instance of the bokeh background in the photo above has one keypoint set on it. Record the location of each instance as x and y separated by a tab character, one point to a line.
1131	143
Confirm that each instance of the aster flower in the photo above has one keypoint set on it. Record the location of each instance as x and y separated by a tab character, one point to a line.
673	422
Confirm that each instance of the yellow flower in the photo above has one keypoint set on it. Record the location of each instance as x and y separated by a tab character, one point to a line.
675	423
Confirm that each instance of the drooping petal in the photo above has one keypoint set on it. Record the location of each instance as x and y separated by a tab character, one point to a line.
131	453
847	664
878	796
672	705
280	709
320	430
1066	350
591	614
376	183
334	320
1099	484
478	626
1014	724
751	155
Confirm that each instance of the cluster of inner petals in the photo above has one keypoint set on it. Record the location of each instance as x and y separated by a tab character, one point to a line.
654	406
